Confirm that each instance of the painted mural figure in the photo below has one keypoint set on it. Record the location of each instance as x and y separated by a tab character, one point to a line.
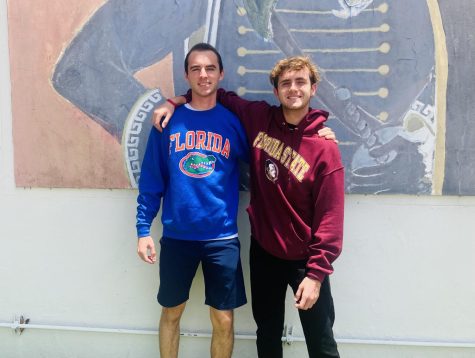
376	58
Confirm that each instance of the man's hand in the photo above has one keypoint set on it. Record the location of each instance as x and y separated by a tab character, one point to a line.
165	111
162	115
327	133
146	249
307	293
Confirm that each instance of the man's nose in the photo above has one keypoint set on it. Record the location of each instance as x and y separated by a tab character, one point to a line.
203	72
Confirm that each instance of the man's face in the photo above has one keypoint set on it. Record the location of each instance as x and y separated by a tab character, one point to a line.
203	73
294	89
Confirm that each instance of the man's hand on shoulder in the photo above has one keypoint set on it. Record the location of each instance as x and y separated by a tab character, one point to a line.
146	249
328	134
163	113
307	293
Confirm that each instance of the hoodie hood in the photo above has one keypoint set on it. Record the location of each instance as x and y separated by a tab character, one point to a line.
309	125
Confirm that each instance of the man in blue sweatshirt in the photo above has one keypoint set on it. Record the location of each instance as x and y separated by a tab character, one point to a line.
193	167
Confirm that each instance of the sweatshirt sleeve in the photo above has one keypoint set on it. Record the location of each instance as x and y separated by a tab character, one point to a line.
248	112
327	226
151	183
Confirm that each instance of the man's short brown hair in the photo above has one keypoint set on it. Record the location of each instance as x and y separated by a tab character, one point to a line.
295	63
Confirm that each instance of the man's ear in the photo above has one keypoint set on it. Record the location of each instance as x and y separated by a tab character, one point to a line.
221	75
276	93
313	89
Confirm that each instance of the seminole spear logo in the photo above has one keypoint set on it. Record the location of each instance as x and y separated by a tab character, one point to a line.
197	165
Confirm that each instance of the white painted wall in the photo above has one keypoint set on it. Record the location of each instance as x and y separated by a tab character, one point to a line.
67	257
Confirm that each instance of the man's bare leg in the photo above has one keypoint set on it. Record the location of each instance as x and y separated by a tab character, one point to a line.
222	340
169	331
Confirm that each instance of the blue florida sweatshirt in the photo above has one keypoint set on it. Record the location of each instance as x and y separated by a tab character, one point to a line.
193	165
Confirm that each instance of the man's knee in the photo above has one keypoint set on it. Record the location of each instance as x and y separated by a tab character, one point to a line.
222	320
172	315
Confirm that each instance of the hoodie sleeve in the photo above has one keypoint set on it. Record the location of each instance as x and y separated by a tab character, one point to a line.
151	183
248	112
327	225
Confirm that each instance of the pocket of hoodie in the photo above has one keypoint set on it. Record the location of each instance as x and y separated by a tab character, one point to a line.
303	240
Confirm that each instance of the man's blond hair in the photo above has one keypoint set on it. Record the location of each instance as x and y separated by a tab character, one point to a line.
295	63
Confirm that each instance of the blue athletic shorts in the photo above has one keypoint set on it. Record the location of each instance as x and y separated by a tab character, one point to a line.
222	272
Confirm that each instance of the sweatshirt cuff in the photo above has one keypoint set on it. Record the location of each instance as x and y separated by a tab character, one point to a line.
316	275
143	231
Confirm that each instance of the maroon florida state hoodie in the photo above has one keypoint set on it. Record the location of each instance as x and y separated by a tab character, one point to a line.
297	184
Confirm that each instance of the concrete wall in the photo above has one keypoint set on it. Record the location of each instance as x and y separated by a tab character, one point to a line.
403	286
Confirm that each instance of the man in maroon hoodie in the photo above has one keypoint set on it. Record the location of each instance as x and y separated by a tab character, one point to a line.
296	207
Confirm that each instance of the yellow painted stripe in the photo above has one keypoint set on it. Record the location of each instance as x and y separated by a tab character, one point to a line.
383	8
382	28
441	75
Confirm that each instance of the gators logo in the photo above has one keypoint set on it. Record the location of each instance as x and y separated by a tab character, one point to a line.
197	165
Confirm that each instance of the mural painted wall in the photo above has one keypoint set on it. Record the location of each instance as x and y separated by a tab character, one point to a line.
86	77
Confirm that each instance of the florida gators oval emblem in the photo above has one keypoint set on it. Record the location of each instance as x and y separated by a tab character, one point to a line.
197	165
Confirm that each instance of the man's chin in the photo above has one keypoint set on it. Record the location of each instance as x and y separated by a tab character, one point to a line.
207	93
295	105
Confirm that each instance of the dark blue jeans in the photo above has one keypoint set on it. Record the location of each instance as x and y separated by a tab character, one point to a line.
269	279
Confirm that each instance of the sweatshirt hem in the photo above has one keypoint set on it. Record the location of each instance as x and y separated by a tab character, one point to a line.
193	236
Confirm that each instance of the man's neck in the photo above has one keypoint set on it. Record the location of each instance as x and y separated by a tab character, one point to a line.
203	103
295	116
